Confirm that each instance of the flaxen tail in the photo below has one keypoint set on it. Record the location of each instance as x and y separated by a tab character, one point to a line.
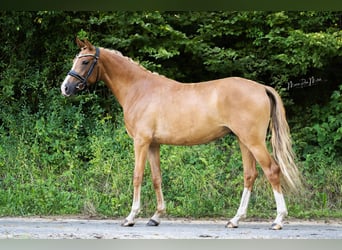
281	144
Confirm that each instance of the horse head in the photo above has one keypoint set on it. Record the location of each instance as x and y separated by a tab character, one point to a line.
84	71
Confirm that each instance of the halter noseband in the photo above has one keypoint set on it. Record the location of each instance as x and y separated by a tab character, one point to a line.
83	80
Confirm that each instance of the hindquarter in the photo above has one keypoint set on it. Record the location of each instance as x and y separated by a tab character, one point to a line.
246	108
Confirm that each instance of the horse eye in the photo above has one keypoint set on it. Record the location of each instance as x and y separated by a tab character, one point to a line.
85	62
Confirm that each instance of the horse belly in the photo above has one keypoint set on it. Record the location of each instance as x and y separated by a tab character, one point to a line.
190	119
193	135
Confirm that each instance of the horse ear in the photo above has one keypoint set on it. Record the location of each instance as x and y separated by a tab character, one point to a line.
79	43
89	45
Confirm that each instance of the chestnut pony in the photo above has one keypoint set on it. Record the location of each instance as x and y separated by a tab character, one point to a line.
158	110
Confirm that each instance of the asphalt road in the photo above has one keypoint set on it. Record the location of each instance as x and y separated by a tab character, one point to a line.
80	228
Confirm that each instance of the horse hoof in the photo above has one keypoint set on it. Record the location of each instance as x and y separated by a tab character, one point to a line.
276	226
126	223
231	225
153	223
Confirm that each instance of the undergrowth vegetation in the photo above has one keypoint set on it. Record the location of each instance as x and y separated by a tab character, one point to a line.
71	161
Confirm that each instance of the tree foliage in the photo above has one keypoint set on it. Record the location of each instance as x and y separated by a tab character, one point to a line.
72	155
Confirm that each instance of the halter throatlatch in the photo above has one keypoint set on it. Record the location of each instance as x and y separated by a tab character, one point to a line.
83	80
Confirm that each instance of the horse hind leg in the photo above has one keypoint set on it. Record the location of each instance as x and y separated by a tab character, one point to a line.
250	174
272	173
154	159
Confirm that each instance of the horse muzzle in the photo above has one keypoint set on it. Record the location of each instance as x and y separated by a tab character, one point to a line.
69	89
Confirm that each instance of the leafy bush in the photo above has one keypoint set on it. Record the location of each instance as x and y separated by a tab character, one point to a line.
319	143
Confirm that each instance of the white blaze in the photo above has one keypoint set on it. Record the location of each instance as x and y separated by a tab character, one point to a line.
63	85
66	80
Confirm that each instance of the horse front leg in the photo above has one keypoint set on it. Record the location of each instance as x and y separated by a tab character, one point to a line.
154	159
140	152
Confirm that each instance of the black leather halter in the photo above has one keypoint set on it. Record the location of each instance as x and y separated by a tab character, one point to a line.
83	80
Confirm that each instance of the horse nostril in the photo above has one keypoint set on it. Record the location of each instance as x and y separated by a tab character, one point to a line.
65	89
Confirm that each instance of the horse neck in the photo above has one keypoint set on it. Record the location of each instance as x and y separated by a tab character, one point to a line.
120	74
